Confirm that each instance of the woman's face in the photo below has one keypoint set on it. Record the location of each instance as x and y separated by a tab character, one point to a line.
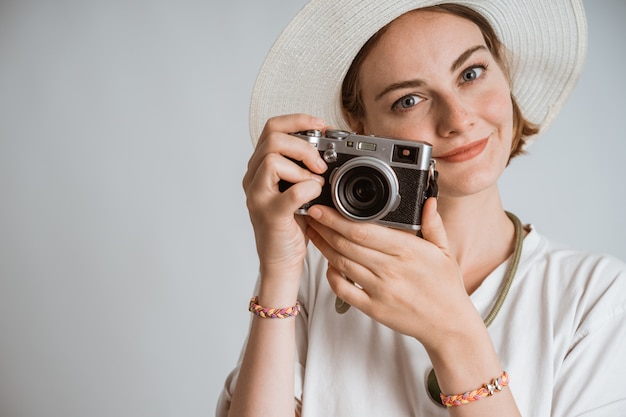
431	77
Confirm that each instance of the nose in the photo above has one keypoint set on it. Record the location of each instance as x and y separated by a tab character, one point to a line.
454	116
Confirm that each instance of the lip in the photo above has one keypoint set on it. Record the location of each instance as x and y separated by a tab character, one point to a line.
464	153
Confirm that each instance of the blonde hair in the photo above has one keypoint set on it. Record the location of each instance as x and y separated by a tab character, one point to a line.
352	102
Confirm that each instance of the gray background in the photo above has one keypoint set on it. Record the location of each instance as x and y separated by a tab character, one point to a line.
126	254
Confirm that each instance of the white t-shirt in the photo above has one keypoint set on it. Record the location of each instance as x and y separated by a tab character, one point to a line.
560	335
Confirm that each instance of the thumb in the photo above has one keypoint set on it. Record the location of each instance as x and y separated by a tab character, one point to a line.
432	225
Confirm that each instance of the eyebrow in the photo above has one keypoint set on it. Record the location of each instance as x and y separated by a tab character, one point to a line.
418	83
399	86
465	56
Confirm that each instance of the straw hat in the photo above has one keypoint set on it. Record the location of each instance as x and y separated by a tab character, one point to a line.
304	70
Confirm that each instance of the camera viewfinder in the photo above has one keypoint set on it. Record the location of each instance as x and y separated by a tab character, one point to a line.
405	154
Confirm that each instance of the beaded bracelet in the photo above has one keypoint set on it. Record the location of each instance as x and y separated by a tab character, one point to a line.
482	392
272	313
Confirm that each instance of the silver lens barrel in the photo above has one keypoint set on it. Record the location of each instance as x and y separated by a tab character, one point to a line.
365	188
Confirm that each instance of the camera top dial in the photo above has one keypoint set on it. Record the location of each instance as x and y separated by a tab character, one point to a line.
337	134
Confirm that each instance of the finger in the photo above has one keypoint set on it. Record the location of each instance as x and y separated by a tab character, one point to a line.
277	162
276	138
291	123
275	168
290	149
346	290
354	261
299	194
433	229
369	235
263	193
293	147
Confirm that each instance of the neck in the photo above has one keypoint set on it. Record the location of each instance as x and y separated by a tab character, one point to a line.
480	234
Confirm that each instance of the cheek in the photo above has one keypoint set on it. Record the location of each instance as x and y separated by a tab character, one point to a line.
498	112
498	108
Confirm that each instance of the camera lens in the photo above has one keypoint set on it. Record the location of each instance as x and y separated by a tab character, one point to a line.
365	189
364	192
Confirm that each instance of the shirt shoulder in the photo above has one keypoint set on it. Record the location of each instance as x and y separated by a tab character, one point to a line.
592	284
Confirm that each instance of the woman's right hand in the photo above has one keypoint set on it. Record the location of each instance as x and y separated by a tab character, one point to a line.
281	245
279	233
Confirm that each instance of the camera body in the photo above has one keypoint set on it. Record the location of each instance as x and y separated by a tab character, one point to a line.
371	178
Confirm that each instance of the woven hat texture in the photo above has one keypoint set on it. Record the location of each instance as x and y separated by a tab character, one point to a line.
304	69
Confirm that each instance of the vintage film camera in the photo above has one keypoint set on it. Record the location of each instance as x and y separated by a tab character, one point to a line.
371	178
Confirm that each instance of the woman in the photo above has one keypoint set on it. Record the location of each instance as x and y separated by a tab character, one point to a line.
442	75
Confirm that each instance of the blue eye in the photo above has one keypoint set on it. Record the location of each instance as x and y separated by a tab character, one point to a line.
472	73
406	102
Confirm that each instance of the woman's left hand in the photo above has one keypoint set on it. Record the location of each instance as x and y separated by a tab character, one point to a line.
411	285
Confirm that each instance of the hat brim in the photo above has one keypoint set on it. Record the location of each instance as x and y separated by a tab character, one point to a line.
304	70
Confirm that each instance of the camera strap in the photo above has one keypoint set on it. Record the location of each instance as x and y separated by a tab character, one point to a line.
433	175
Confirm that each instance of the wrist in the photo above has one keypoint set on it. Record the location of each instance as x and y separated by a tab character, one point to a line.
272	312
459	324
279	287
466	359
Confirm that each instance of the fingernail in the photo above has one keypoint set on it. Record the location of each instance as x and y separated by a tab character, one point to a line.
318	179
315	212
322	165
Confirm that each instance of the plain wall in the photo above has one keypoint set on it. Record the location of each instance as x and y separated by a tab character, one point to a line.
126	254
